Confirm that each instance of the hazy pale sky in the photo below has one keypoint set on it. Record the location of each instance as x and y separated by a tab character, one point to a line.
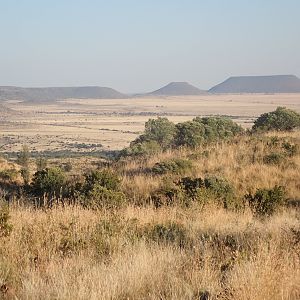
139	45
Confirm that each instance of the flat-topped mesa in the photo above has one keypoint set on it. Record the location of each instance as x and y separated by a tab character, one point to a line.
58	93
177	89
258	84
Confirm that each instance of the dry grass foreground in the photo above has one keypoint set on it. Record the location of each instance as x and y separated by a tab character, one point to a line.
147	253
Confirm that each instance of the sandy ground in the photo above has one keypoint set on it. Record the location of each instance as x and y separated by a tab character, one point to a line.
89	124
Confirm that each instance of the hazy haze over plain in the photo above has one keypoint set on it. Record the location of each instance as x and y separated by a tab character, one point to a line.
139	46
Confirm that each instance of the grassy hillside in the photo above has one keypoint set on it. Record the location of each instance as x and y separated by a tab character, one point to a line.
217	221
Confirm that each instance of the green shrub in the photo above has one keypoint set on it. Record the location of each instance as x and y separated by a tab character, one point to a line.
266	201
100	197
217	128
189	133
209	188
141	148
104	178
49	181
175	166
222	190
282	119
160	130
191	186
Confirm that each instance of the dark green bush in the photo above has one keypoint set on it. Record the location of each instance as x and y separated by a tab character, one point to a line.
104	178
266	201
49	181
189	133
221	189
174	166
191	186
209	188
282	119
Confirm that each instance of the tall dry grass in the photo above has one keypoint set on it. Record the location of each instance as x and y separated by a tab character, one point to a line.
72	253
240	161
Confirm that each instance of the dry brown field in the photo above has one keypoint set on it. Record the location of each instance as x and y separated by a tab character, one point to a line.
111	124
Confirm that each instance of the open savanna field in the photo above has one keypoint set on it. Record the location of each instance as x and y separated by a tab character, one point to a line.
90	125
220	220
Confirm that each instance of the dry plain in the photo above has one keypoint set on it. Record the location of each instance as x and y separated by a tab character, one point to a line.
87	125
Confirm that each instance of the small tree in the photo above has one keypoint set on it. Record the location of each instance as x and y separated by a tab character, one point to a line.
282	119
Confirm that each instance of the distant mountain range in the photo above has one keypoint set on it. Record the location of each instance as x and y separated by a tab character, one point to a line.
58	93
233	85
258	84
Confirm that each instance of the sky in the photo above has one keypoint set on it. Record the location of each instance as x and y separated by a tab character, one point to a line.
139	46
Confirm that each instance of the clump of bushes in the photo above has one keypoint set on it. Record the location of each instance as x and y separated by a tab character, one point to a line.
174	166
187	190
161	134
266	201
211	187
282	119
